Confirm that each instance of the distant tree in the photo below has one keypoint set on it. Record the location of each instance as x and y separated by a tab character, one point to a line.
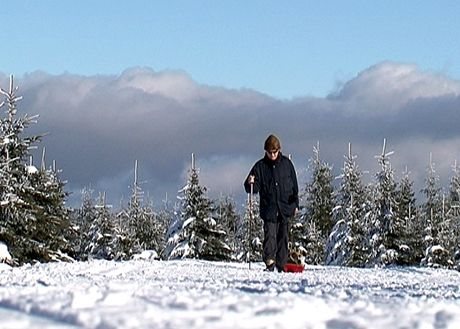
158	222
319	203
436	255
314	249
250	232
387	228
83	218
454	186
175	246
300	233
227	216
454	213
411	248
432	208
450	226
140	223
165	216
103	234
142	227
194	233
347	245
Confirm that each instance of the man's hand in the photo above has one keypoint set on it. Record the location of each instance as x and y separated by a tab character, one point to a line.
251	179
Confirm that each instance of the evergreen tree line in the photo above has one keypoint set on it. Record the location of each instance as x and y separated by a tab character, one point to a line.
346	224
379	223
194	227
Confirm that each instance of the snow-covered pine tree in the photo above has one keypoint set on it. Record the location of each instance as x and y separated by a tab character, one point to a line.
298	232
347	244
450	227
411	249
454	212
195	233
165	216
13	152
445	236
83	218
32	214
387	228
142	220
157	228
317	212
314	249
454	186
435	254
103	234
52	217
174	234
227	216
250	232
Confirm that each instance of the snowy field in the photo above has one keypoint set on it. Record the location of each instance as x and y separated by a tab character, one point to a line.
200	294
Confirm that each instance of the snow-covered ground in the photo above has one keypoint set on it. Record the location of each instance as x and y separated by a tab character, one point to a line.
200	294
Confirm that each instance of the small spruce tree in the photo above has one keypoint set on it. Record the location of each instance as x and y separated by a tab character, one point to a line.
227	216
347	245
250	232
195	233
103	234
436	255
319	203
411	248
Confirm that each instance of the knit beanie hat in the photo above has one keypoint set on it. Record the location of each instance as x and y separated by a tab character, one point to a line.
272	143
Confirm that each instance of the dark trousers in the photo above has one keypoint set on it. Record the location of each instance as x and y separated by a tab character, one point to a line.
276	242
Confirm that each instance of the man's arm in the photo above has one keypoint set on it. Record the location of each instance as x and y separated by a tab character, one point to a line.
252	179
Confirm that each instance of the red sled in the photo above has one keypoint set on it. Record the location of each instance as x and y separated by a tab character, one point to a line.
293	268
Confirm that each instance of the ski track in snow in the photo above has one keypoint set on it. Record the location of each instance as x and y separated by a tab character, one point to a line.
201	294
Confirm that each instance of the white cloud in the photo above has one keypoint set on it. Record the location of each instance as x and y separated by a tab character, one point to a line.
171	84
389	86
99	125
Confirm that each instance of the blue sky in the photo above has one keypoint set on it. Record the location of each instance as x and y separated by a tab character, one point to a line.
283	49
119	81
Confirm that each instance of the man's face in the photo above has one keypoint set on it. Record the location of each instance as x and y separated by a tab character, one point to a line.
272	154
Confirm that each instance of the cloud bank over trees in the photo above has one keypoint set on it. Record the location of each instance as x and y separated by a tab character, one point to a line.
99	125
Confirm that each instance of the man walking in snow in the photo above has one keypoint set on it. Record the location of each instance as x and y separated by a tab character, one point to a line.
275	179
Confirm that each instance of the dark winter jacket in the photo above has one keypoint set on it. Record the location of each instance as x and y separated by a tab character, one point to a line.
276	183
